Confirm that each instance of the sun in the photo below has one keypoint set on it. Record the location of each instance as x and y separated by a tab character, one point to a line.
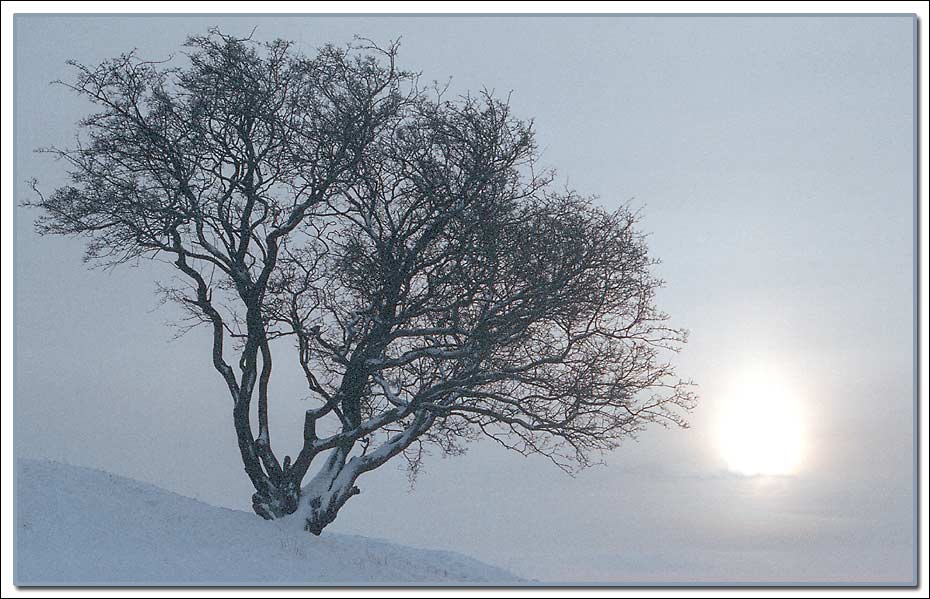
761	430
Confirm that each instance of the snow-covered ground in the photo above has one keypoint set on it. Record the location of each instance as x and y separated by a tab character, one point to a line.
81	526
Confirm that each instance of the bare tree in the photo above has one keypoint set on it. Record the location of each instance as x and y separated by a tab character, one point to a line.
433	286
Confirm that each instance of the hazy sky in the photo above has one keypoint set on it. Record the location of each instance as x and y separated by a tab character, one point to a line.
773	160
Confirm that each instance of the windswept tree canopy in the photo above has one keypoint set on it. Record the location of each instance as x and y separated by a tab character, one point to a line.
432	283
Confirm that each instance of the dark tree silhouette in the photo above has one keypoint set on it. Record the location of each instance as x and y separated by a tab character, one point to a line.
433	285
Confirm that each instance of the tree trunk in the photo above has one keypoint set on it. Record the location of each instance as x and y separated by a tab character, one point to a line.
320	511
328	491
316	506
275	496
277	501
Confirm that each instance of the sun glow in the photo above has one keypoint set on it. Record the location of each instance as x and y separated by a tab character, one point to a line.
762	426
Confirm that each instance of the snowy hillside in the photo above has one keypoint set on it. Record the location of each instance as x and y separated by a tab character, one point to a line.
82	526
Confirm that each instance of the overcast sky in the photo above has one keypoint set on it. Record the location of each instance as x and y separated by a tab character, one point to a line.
773	161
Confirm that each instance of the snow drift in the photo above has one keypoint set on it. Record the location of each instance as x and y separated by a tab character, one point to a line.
81	526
